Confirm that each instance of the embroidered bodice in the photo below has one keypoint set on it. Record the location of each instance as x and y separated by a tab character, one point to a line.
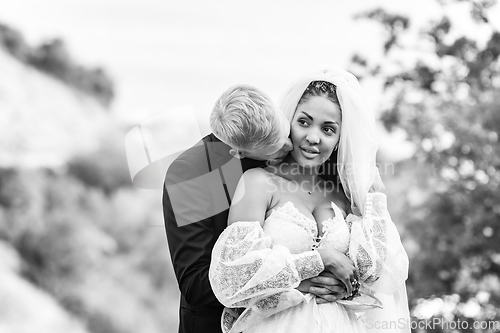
288	227
255	270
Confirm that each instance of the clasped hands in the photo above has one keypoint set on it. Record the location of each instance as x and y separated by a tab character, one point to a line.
337	281
326	287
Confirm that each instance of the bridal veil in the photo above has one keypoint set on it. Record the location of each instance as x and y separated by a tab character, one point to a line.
360	178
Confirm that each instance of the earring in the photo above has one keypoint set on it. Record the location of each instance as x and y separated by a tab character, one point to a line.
236	153
336	147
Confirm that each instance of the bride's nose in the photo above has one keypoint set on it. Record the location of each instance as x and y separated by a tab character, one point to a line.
312	137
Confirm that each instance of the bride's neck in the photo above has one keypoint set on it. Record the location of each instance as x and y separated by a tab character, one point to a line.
293	171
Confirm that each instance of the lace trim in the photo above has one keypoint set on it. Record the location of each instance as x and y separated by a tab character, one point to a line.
289	210
376	210
284	279
369	250
376	205
308	264
229	317
328	225
333	226
234	278
270	302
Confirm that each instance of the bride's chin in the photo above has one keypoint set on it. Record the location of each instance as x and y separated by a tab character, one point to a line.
308	164
304	163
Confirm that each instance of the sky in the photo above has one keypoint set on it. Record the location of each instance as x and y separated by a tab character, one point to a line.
168	54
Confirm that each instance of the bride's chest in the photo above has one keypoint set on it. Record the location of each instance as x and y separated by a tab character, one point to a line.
288	227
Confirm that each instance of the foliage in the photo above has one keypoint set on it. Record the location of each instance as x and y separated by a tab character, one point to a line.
106	168
53	58
393	23
447	102
102	256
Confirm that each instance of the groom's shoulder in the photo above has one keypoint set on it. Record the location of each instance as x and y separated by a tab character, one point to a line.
198	159
195	154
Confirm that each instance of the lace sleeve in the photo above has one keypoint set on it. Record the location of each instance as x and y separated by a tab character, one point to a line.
376	247
247	272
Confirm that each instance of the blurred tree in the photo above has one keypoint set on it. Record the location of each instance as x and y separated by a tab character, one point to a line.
106	168
52	57
13	42
448	103
88	249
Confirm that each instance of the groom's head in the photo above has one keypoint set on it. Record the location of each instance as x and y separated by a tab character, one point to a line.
248	121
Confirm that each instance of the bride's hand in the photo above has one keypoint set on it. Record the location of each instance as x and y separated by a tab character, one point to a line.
340	266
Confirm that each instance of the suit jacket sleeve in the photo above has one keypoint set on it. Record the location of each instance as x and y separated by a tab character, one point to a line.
191	240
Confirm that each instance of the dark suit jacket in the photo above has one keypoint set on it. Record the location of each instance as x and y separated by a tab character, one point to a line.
197	193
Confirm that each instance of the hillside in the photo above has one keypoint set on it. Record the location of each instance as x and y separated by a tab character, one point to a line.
25	306
43	122
81	249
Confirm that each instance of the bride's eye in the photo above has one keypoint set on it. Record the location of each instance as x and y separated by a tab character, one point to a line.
329	130
303	121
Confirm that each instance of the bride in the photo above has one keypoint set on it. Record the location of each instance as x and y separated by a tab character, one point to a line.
319	210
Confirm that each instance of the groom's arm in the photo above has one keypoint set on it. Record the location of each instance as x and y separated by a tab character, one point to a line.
190	233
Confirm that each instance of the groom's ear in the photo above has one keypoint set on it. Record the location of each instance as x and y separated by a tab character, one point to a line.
238	154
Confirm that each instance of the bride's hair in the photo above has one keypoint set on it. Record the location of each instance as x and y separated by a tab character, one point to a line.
321	88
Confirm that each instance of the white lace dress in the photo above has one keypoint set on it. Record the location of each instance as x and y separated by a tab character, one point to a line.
255	270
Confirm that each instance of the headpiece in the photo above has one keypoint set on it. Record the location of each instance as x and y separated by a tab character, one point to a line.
321	86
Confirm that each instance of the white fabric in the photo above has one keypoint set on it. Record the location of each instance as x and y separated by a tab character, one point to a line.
359	140
249	273
252	271
377	235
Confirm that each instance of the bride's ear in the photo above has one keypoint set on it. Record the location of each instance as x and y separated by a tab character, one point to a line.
238	154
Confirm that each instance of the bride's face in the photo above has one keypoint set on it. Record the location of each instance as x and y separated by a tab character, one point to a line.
315	130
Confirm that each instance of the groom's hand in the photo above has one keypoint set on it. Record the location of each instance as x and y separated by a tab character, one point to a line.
327	288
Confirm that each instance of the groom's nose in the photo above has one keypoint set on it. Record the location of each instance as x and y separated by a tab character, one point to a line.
287	146
284	150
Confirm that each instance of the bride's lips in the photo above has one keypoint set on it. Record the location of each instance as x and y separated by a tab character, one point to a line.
309	152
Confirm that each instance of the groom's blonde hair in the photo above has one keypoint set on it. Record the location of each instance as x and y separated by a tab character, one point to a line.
245	118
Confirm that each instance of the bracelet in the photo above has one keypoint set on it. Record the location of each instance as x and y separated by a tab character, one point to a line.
355	290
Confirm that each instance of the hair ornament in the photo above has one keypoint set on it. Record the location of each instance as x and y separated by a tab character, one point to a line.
322	86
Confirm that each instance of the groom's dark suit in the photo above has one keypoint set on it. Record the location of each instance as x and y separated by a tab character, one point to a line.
197	193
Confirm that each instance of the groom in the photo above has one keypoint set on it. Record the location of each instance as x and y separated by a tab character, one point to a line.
198	190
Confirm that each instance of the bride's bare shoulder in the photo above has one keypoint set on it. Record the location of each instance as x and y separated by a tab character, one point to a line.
257	176
256	182
252	197
257	172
